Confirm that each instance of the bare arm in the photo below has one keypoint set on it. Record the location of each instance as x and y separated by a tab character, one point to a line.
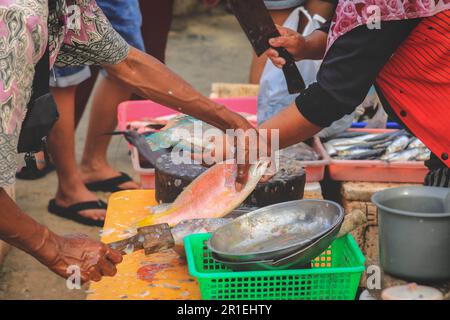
292	126
310	47
150	78
56	252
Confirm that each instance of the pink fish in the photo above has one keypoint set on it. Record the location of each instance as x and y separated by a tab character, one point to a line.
211	195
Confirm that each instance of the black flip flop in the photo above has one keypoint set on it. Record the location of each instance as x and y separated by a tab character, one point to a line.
109	185
73	212
31	171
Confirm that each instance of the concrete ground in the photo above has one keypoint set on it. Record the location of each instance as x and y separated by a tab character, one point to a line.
203	49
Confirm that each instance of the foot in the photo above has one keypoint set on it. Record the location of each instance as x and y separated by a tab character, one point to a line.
77	195
105	172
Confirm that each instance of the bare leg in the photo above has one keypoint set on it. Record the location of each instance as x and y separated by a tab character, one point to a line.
71	188
258	63
106	96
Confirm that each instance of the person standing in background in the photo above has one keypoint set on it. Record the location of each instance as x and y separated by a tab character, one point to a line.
74	184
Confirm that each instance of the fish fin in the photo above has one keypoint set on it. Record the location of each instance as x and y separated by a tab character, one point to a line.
160	208
155	218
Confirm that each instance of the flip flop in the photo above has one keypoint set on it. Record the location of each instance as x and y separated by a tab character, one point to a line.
109	185
73	212
31	171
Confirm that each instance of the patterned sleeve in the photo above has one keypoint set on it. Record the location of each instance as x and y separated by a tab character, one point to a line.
23	40
89	37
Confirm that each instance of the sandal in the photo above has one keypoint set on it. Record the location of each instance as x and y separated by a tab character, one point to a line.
109	185
31	171
73	212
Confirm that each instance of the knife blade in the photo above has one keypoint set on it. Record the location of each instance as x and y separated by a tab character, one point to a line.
259	27
160	237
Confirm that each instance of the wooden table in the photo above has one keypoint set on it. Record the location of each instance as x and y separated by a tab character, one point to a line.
162	276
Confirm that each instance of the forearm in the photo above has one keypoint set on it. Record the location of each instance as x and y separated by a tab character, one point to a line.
315	46
291	125
151	79
21	231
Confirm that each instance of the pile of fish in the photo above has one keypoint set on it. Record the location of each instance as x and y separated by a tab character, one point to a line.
391	147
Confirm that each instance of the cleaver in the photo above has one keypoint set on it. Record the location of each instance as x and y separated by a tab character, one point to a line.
259	27
161	237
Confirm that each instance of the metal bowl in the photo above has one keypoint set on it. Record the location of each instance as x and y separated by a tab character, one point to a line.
296	260
276	231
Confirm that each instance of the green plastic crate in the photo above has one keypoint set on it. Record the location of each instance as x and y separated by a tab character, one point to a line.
334	275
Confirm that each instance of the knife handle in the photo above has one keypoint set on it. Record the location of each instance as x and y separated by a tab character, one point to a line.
294	79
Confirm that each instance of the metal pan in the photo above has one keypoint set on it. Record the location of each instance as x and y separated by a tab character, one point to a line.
297	260
276	231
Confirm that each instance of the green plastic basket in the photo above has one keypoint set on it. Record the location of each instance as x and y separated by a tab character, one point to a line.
334	275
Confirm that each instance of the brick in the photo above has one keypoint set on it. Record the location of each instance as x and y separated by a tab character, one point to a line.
363	191
230	90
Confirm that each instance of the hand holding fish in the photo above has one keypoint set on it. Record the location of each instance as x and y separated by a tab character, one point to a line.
245	146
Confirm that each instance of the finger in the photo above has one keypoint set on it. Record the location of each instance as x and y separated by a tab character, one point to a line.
278	62
114	256
277	42
94	274
107	268
272	53
285	41
202	159
242	176
283	30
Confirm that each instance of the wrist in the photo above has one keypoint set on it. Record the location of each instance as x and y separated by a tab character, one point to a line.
45	247
230	119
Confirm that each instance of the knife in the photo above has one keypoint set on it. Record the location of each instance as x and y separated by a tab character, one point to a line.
259	27
160	237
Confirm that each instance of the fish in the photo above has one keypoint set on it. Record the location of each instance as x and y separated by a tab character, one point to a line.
405	155
362	154
388	146
300	151
424	154
398	145
416	143
184	133
213	194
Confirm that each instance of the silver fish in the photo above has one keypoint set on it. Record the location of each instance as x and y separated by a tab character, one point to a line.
405	155
398	144
416	143
424	155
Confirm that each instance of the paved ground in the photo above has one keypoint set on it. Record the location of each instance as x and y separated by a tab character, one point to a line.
210	48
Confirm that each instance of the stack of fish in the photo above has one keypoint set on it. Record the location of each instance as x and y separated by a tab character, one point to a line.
391	147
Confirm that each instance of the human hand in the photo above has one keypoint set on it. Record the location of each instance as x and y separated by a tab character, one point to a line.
94	258
292	41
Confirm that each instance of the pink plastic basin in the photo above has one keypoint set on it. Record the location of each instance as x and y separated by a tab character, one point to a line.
377	170
140	110
145	109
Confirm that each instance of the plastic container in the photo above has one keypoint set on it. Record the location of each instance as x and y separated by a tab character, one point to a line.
315	170
145	109
334	275
389	125
377	170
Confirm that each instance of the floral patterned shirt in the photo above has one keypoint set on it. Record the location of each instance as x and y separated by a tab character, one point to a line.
353	13
77	33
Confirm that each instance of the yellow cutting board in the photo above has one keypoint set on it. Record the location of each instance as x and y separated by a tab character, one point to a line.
162	276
